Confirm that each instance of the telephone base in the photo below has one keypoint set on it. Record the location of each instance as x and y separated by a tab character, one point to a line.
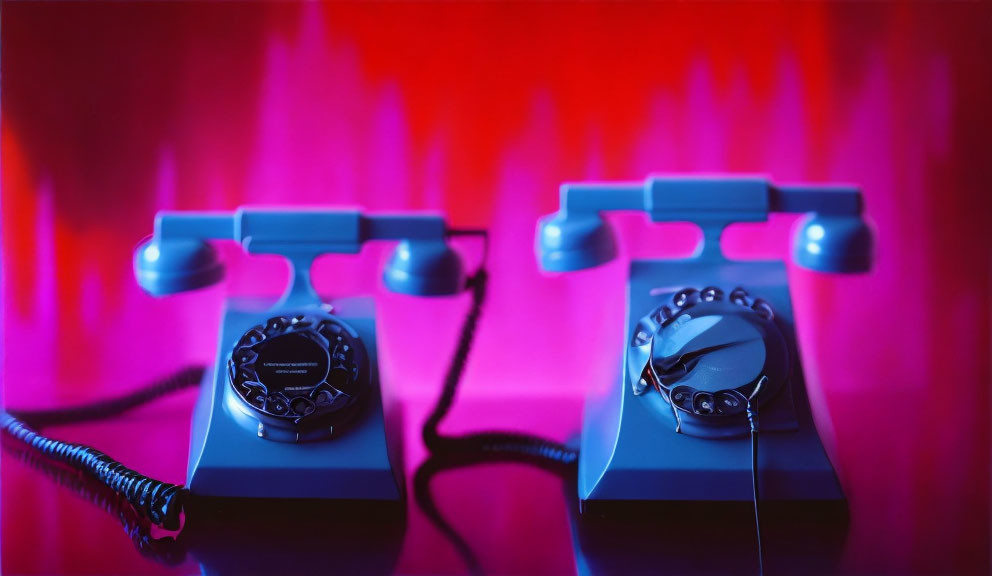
630	450
228	459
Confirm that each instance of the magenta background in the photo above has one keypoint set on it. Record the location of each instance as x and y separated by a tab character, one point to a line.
111	112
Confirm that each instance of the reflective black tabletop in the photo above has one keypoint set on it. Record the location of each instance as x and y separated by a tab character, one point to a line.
459	515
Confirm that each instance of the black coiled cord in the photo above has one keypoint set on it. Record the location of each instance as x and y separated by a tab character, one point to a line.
160	502
111	407
451	452
523	447
477	284
166	550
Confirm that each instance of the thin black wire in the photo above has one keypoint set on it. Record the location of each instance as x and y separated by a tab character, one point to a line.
754	485
752	418
160	502
111	407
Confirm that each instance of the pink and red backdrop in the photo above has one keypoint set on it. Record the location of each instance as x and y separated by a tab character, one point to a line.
111	112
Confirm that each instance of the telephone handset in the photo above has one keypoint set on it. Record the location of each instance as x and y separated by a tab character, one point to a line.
178	257
701	359
833	236
292	408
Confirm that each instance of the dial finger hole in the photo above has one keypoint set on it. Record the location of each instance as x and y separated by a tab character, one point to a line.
763	308
682	396
703	403
739	296
277	324
711	293
244	355
641	337
685	297
252	337
301	406
276	404
330	330
300	321
729	402
663	314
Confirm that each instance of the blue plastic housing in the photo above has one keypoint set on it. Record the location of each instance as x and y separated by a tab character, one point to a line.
229	459
630	451
233	455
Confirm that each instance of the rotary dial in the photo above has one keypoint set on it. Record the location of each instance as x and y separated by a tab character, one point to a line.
304	372
706	353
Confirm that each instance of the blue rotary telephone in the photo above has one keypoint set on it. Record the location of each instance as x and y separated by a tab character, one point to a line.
290	417
292	408
710	347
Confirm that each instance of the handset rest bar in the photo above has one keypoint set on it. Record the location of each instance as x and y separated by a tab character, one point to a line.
180	257
279	231
708	199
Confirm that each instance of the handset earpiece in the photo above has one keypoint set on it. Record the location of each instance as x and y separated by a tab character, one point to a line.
833	244
424	268
163	267
574	242
833	236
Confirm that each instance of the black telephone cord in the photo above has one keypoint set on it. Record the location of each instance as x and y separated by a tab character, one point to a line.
524	447
160	502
